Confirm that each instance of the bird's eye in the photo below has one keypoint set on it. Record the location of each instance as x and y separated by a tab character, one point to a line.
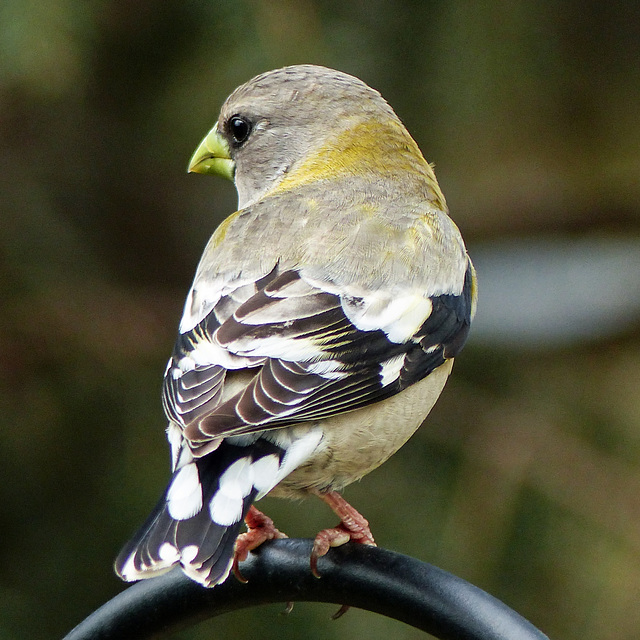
240	128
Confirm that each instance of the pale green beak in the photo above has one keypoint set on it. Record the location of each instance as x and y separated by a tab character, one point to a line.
212	156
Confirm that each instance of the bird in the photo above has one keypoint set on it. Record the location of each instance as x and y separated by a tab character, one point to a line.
321	326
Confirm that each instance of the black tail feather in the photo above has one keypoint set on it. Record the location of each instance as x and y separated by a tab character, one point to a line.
202	547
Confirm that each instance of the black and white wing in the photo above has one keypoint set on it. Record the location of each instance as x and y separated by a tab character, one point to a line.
276	352
314	353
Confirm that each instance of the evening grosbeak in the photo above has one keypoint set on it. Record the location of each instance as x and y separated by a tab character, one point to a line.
321	325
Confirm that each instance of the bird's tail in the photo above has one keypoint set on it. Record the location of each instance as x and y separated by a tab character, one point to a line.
197	520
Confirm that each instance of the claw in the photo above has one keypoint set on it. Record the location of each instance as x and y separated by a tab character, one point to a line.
288	609
260	529
236	570
340	612
326	539
353	527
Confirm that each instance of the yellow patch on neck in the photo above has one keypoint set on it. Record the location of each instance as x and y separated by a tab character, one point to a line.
383	148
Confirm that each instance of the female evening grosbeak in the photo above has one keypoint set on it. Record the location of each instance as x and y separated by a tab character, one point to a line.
321	325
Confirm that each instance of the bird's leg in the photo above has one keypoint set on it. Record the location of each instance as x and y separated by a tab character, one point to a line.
353	526
260	529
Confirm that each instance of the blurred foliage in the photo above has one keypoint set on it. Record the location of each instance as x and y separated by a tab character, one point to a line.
526	478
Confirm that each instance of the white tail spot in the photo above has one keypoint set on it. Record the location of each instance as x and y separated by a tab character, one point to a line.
184	498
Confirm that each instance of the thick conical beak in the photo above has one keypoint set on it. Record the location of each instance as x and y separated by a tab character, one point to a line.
212	156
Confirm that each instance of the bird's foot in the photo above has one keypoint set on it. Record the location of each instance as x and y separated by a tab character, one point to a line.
353	527
260	529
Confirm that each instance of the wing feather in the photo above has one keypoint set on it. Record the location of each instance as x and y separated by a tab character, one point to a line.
311	361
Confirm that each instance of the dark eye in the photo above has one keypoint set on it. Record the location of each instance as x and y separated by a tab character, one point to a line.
240	128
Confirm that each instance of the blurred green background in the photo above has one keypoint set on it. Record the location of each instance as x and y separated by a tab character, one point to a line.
526	478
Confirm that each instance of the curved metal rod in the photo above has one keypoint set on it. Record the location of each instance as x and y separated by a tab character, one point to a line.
367	577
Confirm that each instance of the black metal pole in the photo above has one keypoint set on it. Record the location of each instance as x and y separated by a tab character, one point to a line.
370	578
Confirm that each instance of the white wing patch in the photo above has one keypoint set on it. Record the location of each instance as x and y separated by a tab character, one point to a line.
398	316
266	474
282	347
184	498
168	553
330	369
207	353
205	295
235	484
197	306
176	442
189	553
391	370
298	448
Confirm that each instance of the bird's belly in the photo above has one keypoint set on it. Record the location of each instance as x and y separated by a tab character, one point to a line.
357	442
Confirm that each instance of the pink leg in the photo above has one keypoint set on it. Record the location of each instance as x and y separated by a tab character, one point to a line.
261	529
353	526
